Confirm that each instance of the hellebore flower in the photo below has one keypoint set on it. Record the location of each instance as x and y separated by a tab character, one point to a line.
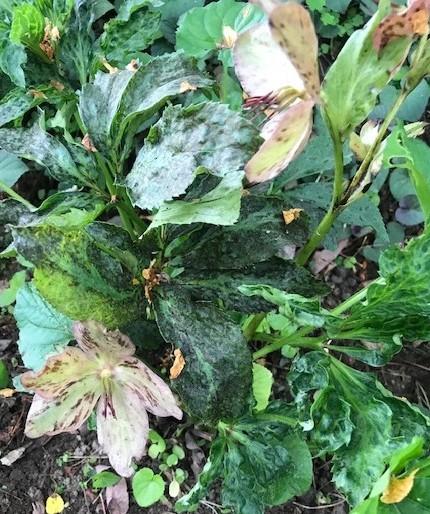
276	63
101	371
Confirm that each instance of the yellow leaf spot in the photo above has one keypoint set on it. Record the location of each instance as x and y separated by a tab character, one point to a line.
54	504
186	86
7	393
178	364
398	488
134	281
291	215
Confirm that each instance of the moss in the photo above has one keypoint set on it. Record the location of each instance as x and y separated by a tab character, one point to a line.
80	303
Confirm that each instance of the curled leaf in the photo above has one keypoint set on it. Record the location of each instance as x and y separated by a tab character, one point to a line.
398	488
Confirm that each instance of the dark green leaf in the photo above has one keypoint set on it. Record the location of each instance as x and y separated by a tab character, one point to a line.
4	375
216	380
183	140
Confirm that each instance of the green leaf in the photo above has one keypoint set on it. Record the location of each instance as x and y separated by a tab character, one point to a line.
152	85
183	140
216	380
201	29
221	206
12	57
123	41
398	307
353	417
8	295
99	103
261	385
260	234
223	286
147	487
171	10
28	26
4	375
359	74
104	479
15	104
37	145
11	168
85	274
42	329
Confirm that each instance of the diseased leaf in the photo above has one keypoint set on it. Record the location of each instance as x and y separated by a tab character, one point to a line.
221	206
37	145
99	103
82	276
153	84
42	329
358	75
124	40
216	380
400	306
370	423
183	140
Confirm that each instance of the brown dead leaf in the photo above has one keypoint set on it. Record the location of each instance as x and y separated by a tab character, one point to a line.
36	94
398	488
7	393
178	364
50	38
186	86
291	215
88	144
152	278
59	86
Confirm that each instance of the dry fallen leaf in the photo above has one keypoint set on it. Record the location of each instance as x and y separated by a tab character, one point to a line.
38	508
291	215
88	144
12	456
398	488
54	504
186	86
178	365
7	393
117	498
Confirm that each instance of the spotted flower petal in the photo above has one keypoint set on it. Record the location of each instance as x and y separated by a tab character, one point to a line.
153	392
122	428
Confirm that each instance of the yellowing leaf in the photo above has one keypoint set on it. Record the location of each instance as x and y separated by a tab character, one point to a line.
398	488
178	365
54	504
291	215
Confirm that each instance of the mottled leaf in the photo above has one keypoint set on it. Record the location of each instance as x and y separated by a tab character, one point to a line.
183	140
11	168
216	380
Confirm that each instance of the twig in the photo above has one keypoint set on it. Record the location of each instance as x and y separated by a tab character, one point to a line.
319	507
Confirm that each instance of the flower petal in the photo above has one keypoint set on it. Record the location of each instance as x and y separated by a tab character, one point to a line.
261	65
109	346
60	372
288	133
66	413
154	393
122	428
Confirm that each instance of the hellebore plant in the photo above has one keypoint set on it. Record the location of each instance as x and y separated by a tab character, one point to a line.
102	372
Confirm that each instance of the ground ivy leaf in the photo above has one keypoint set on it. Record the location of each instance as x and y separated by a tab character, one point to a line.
201	29
221	206
99	103
124	40
216	380
183	140
400	307
42	329
79	276
37	145
153	84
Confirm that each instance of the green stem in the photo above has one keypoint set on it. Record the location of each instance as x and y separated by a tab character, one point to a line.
253	324
16	196
355	298
327	222
296	341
